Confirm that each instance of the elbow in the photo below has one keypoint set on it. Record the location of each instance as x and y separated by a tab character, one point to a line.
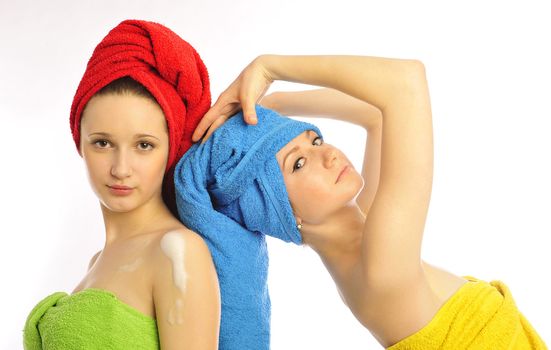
410	85
408	81
414	74
414	66
417	65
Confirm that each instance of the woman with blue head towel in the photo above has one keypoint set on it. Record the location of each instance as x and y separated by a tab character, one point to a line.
268	175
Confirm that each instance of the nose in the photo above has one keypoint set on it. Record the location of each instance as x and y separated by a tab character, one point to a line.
329	157
121	165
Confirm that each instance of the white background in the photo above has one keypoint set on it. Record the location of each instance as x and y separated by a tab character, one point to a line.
488	67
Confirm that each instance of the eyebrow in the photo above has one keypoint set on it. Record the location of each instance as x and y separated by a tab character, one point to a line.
137	136
294	149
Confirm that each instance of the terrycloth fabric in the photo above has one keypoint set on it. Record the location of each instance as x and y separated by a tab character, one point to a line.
230	190
89	319
166	65
480	315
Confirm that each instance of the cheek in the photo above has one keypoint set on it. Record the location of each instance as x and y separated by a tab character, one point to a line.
152	170
97	165
98	168
315	196
311	194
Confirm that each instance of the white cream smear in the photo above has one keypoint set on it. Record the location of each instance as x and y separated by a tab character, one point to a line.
173	246
175	314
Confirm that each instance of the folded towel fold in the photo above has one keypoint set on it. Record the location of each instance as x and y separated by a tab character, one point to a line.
89	319
480	315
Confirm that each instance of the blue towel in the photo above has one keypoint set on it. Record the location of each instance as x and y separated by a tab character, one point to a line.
230	190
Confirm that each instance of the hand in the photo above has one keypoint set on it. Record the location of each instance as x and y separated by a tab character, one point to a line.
244	93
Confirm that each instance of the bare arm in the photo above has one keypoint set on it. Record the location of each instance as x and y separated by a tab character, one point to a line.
187	309
330	103
395	223
396	297
393	233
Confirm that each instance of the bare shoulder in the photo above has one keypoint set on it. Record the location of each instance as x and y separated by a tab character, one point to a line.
192	242
185	291
180	244
181	261
93	260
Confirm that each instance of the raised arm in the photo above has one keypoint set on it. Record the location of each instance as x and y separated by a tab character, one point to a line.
396	295
395	223
330	103
398	88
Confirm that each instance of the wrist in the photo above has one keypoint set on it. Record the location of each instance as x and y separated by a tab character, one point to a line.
271	64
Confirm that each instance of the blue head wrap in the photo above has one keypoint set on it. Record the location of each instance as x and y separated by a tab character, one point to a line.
231	191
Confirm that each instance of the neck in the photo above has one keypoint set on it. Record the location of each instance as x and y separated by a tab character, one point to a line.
338	239
143	219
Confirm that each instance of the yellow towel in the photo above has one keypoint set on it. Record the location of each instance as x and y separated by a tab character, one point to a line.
480	315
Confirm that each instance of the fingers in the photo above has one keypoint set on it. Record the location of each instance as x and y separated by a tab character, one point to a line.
220	108
221	120
249	112
216	117
243	94
205	122
253	90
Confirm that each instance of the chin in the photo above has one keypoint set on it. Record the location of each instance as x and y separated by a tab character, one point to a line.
119	205
118	208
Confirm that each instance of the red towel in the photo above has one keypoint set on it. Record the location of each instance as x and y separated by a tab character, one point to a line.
167	66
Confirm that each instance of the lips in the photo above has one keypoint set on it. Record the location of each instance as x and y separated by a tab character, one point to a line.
120	190
119	187
343	171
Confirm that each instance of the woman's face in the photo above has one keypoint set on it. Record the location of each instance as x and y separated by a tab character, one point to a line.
319	178
124	144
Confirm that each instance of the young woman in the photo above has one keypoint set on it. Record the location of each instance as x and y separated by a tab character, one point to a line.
370	239
153	284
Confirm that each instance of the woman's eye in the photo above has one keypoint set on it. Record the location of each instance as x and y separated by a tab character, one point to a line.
145	146
101	143
318	141
299	164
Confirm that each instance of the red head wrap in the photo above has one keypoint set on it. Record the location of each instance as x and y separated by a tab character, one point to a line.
166	65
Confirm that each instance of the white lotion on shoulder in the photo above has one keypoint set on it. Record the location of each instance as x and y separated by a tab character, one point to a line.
173	245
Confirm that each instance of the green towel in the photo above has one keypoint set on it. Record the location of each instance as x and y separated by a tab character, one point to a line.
89	319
